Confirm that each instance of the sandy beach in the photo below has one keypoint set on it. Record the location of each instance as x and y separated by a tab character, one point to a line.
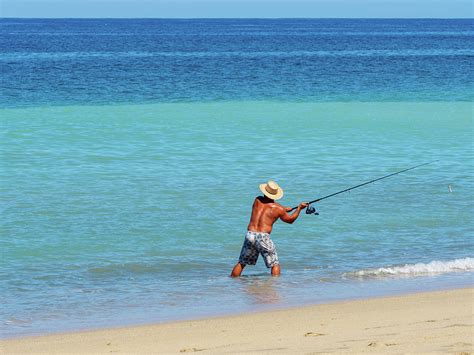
439	321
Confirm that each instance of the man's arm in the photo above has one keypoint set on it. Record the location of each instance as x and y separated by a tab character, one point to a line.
287	218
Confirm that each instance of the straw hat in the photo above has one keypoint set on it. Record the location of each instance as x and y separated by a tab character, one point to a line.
272	190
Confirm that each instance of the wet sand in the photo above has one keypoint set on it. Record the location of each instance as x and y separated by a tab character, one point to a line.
439	321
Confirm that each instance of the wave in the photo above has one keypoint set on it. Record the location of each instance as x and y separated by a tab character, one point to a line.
247	30
169	267
341	53
432	268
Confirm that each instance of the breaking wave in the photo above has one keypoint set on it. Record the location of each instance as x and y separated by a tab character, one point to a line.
407	270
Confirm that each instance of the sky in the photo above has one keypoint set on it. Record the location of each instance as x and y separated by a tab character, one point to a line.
237	8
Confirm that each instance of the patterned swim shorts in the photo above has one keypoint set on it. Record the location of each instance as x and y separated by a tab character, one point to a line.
256	243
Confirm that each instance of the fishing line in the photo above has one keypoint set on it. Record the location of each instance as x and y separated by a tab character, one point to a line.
312	210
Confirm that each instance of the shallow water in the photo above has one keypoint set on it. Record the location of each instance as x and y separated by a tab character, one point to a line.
129	214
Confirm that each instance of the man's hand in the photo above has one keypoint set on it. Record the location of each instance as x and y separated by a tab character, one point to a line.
303	205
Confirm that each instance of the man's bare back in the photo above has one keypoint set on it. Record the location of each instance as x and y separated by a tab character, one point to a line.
265	212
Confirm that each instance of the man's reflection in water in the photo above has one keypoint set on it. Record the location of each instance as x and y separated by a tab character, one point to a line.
261	290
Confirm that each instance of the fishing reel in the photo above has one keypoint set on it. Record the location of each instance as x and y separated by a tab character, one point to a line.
311	210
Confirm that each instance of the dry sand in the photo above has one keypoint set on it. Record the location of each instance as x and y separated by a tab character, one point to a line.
424	322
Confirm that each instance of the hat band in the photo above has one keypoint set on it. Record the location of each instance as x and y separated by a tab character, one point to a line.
270	190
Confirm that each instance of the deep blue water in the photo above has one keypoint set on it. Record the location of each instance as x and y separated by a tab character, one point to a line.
63	62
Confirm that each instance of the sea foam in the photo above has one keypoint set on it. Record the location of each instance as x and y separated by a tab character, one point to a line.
407	270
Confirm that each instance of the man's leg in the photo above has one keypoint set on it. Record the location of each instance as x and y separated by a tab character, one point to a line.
237	270
269	254
248	255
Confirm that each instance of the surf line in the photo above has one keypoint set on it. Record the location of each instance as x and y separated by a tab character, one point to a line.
311	210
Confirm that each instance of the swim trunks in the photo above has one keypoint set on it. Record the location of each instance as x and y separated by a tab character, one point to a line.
256	243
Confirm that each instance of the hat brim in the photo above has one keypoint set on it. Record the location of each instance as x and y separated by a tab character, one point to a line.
276	196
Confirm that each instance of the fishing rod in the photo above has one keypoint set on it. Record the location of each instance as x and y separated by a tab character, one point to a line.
311	210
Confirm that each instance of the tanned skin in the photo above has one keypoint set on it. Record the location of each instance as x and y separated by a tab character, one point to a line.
265	212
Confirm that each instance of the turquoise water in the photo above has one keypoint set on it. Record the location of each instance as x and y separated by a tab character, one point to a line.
125	214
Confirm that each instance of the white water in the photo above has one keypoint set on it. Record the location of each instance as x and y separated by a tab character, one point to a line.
432	268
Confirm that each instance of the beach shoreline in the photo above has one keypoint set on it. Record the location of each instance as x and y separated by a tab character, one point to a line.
416	322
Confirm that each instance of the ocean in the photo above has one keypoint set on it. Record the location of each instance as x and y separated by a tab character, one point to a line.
132	150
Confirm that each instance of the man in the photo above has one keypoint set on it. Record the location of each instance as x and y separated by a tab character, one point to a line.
265	212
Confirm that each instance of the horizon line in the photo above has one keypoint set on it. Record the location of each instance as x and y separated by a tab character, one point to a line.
236	18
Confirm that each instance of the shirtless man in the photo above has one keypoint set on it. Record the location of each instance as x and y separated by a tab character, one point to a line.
265	212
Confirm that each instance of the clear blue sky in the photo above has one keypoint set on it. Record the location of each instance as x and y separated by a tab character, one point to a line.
237	8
